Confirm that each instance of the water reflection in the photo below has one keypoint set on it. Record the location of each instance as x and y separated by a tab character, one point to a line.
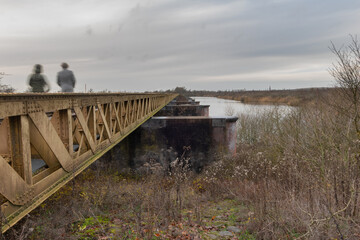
224	107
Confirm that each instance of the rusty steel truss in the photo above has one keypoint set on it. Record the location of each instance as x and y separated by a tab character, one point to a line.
66	132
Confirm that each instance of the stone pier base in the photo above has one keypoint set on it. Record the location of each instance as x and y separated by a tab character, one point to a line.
163	139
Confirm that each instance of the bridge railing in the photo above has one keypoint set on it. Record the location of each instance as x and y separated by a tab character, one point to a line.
47	139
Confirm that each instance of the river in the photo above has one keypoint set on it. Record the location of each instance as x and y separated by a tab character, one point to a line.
224	107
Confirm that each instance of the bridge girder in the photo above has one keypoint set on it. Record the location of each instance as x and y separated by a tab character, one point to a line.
67	132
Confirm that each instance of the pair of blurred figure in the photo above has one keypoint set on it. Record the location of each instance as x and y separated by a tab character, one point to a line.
65	79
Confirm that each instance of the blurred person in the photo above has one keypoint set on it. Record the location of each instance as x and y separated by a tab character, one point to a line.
66	79
37	81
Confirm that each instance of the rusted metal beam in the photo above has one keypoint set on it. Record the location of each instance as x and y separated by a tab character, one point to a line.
20	147
68	132
48	132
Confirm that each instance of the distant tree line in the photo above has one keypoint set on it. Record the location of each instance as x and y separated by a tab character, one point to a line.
3	87
293	97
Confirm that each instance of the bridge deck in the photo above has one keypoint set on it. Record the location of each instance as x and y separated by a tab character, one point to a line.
65	133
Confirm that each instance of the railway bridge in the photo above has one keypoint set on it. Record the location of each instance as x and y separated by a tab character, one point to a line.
67	133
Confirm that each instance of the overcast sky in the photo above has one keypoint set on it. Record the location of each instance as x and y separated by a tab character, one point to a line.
129	45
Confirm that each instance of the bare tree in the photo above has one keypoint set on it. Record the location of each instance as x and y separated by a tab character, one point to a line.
229	110
346	72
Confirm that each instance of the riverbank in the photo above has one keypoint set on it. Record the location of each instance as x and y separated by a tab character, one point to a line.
295	97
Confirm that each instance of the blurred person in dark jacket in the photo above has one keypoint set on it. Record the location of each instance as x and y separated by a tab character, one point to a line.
66	79
37	81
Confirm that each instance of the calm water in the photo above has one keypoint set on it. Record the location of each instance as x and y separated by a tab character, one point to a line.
223	107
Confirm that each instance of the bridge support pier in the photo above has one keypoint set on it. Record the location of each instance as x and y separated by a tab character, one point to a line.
162	136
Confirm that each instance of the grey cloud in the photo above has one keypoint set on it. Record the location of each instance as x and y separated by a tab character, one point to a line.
89	31
164	44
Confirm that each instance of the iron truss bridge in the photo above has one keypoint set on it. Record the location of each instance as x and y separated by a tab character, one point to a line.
48	139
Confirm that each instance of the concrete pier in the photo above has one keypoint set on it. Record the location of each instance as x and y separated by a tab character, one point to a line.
184	110
188	133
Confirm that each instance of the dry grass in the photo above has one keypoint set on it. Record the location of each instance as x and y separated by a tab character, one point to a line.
103	203
300	172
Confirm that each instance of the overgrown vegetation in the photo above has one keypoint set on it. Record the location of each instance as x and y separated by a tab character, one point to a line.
294	177
104	204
